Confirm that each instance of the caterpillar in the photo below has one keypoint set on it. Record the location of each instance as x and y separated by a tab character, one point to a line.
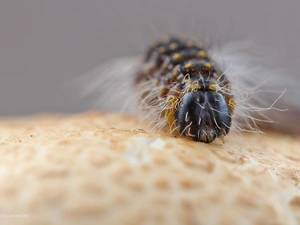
179	86
186	89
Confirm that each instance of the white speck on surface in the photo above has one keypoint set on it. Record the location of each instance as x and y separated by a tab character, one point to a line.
158	143
135	151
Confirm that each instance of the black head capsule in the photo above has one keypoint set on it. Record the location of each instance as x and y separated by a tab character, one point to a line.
203	116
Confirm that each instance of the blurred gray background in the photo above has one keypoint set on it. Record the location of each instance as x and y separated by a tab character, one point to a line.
46	44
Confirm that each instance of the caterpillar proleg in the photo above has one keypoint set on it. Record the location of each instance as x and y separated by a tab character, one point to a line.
200	93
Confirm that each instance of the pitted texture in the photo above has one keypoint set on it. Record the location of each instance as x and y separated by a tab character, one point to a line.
105	169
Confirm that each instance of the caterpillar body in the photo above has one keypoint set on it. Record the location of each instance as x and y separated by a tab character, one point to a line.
178	85
187	91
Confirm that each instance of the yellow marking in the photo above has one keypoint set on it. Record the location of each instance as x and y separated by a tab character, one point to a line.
161	49
214	87
168	113
161	90
232	102
173	46
188	66
171	99
192	86
231	105
169	117
176	56
175	73
201	54
196	85
207	65
187	88
222	138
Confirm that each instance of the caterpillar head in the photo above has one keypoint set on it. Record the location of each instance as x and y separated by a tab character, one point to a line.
203	116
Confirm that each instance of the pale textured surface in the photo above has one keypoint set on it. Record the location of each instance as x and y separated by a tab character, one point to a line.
80	170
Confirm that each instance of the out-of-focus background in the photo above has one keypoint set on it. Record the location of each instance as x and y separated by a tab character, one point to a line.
46	44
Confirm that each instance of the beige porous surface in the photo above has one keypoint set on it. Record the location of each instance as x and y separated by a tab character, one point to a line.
97	168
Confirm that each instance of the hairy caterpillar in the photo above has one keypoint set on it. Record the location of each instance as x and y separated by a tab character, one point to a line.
180	85
189	94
